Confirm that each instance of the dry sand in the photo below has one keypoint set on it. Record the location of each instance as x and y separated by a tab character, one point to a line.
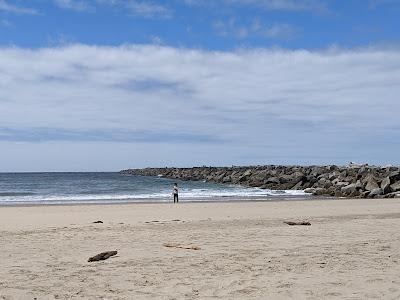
351	251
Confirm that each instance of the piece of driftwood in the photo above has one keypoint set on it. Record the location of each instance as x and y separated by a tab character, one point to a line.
102	256
98	222
181	246
297	223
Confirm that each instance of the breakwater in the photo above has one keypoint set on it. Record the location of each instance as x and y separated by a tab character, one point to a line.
361	181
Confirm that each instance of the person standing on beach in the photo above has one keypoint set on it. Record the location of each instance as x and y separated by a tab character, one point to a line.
175	192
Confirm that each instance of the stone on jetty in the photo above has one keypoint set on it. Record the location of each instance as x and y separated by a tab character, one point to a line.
354	180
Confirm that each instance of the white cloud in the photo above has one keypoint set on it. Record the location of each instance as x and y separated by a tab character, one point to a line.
256	28
77	5
148	9
377	3
145	9
279	31
5	23
155	39
7	7
283	5
254	105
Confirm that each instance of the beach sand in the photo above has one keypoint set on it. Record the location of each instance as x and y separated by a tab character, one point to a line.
351	251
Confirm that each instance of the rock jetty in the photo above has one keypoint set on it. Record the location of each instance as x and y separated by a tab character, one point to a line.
353	181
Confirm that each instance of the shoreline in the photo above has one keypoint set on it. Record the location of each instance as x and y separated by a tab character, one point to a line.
227	199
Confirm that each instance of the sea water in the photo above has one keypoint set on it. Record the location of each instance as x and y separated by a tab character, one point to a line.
112	187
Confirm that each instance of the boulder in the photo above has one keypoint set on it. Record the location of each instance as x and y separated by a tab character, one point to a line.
309	190
354	194
349	189
324	183
247	173
395	187
394	176
311	179
359	185
371	184
226	179
391	195
376	192
364	194
274	180
338	193
286	179
261	175
385	185
297	186
320	192
243	178
341	184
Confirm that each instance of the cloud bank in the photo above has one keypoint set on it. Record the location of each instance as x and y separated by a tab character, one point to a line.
244	106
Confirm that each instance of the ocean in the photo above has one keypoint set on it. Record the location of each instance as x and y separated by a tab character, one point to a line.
112	187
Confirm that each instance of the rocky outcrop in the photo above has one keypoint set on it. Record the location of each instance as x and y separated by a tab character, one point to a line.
361	181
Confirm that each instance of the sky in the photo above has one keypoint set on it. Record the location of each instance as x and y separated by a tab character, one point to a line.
104	85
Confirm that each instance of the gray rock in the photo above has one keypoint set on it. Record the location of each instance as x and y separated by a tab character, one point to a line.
376	192
395	187
354	194
371	184
309	190
272	180
226	179
325	183
359	185
349	189
247	173
395	175
338	193
297	186
341	184
385	185
320	192
243	178
391	195
332	177
286	178
365	194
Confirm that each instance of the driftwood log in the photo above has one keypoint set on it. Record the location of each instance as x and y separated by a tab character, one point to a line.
298	223
180	246
102	256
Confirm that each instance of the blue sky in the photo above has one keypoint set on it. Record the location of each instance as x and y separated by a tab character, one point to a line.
217	25
93	85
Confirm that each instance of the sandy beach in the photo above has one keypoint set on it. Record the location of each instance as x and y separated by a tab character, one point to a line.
350	251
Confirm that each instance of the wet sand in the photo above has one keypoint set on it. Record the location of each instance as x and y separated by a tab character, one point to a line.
246	251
